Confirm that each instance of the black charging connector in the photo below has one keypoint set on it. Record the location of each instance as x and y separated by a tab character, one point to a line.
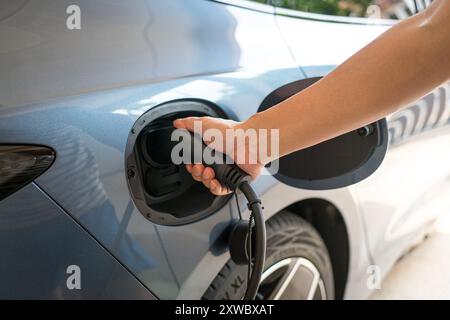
234	178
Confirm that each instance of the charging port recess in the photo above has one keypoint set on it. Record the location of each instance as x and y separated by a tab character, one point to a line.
163	192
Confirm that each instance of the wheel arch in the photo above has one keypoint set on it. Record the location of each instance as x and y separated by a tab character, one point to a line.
329	223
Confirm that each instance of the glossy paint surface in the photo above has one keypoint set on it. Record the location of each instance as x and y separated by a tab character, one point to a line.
89	131
320	45
410	190
80	92
40	245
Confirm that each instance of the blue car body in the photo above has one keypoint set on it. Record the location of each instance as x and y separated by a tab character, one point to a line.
79	92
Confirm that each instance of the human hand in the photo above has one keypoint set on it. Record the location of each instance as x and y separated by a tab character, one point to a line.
206	175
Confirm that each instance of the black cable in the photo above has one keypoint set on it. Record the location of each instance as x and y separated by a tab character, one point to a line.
248	241
249	248
260	246
237	205
234	178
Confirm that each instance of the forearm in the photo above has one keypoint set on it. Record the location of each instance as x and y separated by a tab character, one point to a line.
402	65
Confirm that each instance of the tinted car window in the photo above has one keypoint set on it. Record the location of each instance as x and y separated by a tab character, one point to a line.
386	9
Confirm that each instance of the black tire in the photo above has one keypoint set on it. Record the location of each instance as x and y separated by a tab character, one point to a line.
288	235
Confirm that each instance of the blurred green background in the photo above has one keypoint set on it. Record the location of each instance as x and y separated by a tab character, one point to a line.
331	7
355	8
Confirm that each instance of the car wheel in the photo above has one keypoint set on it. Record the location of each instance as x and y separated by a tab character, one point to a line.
297	265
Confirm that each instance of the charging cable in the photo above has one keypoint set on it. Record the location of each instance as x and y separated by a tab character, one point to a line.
241	244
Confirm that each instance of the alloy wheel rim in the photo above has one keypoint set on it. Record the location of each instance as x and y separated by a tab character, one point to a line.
292	279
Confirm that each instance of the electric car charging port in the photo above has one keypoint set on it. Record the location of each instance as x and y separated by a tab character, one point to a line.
165	193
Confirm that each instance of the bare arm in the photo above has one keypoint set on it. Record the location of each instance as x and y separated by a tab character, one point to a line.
403	64
400	66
